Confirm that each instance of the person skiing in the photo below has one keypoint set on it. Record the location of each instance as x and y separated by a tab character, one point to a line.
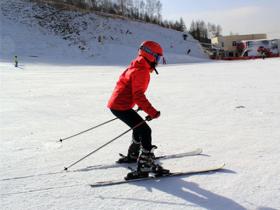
130	91
16	61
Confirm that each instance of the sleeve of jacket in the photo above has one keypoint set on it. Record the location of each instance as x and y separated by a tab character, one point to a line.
139	80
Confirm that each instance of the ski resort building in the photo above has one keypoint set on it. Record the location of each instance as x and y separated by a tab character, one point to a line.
244	46
263	47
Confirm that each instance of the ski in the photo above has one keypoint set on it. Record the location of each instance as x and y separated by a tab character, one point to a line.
171	174
195	152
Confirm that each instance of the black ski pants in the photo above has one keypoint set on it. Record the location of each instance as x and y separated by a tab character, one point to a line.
142	133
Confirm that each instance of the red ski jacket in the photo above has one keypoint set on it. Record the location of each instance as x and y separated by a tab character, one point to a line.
131	88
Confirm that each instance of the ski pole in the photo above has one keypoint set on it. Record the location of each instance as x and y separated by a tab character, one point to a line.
63	139
69	137
66	168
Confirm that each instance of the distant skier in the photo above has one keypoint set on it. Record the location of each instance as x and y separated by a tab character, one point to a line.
263	54
164	61
16	61
129	91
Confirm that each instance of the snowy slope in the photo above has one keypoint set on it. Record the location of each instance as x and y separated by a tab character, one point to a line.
30	29
230	109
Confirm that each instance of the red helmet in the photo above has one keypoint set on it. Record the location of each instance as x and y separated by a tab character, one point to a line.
151	51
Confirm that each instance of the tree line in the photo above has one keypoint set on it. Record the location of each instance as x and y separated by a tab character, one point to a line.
204	32
148	11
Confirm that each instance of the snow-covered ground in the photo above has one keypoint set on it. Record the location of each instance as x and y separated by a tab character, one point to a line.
230	109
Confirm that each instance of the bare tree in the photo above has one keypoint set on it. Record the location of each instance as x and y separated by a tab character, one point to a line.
214	30
219	30
142	8
136	4
122	4
158	10
150	8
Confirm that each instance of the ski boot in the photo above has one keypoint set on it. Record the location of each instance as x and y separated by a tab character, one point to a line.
145	165
158	170
132	154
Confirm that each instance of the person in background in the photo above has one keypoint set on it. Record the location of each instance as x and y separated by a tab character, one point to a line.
16	61
164	61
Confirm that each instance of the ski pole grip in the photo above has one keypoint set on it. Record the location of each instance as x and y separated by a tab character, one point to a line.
148	118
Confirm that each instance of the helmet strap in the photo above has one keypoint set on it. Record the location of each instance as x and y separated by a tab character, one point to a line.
152	64
156	70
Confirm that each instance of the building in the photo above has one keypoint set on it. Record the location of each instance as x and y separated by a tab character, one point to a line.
227	46
259	47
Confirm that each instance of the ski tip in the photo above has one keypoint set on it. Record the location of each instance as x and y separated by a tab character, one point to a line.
220	167
65	169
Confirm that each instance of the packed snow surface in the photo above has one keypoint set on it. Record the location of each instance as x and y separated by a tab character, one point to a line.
229	109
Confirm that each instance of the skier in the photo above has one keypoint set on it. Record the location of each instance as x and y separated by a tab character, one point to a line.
164	61
16	61
129	91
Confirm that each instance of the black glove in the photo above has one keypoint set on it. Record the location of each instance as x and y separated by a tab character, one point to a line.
149	118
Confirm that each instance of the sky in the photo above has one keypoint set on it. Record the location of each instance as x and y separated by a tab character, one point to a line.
236	16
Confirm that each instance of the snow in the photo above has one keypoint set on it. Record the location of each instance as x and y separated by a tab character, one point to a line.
29	29
229	109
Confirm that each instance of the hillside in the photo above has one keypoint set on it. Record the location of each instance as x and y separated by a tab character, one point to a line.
40	32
